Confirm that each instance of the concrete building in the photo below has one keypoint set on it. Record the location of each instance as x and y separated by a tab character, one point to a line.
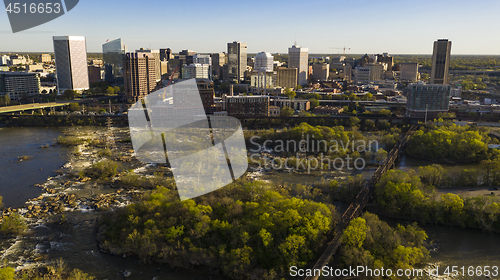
262	79
113	53
196	70
286	77
164	68
45	58
166	54
274	111
376	71
19	84
441	61
386	59
296	104
156	55
94	74
218	61
361	75
140	74
247	105
409	72
429	99
298	58
264	62
321	71
237	61
35	67
4	60
202	59
347	73
18	60
71	63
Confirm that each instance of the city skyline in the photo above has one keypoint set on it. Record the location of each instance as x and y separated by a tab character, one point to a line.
362	26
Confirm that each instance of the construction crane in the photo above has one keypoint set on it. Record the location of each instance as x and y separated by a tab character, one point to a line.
344	48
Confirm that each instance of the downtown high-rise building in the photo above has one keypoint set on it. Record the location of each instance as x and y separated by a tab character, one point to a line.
113	53
264	62
71	63
441	61
166	54
427	99
237	61
156	55
218	62
298	58
409	72
140	74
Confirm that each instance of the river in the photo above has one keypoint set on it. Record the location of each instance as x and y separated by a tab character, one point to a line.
17	176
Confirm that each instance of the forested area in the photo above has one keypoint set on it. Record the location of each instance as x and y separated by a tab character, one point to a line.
451	143
368	241
412	196
243	231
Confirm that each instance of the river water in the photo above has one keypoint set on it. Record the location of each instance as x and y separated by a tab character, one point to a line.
17	177
459	247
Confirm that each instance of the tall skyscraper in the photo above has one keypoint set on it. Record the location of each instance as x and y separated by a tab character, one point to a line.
237	60
156	55
298	58
140	74
218	61
113	53
71	63
264	61
441	61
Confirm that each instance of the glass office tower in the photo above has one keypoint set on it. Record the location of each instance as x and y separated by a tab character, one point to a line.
113	55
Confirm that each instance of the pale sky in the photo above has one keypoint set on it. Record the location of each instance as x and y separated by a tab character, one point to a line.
396	27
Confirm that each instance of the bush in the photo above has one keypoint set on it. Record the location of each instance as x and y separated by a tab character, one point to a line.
102	169
13	224
7	273
77	274
70	141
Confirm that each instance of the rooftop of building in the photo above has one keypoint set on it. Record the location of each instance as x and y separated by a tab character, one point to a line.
16	73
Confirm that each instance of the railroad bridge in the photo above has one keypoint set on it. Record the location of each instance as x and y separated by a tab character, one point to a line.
360	202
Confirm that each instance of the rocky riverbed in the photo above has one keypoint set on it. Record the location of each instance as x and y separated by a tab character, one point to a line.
71	202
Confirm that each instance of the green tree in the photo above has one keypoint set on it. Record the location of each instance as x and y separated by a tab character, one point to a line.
290	93
385	112
355	233
74	107
314	103
286	112
117	89
69	94
110	90
6	100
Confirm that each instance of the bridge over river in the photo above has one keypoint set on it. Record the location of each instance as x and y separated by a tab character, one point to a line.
359	203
